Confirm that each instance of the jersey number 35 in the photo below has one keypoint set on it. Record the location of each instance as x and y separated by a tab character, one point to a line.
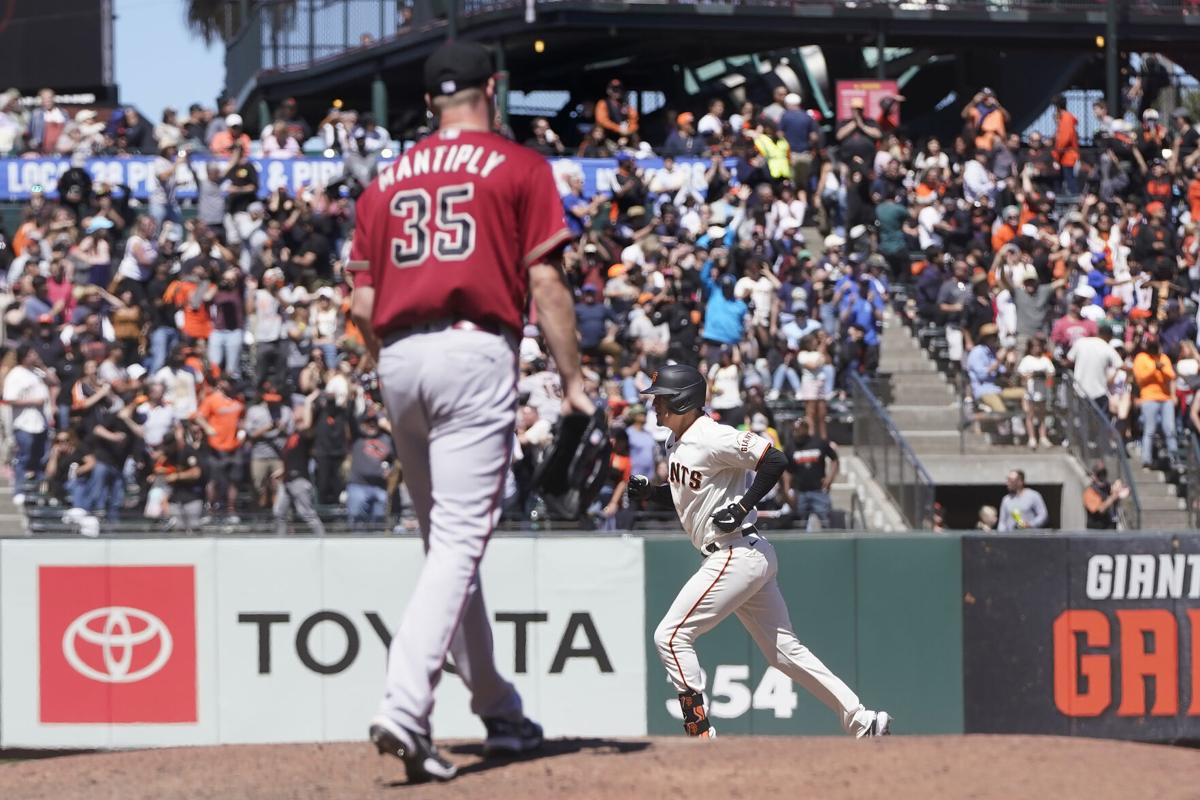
442	228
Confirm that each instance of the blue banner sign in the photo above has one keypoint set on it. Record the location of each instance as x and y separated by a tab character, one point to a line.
20	177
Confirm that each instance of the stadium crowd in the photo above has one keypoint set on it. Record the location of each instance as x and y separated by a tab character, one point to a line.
200	365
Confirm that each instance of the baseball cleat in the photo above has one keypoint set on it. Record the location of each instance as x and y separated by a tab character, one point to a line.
508	738
422	761
881	725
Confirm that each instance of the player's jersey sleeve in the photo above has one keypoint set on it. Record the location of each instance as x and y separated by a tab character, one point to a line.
360	248
542	227
738	449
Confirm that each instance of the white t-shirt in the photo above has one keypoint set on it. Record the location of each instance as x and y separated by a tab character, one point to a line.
1093	358
545	394
727	390
926	220
25	384
706	470
179	387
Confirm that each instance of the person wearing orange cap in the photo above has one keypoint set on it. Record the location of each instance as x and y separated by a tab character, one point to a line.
683	141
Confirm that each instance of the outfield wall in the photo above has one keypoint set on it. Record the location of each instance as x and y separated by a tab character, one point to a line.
126	643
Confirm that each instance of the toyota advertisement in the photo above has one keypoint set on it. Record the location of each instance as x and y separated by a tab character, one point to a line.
136	643
1094	636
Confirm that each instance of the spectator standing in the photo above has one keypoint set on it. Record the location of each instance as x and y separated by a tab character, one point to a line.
616	115
46	124
296	490
1066	144
269	338
220	416
269	423
180	467
1155	378
1094	364
725	389
1101	499
229	315
1036	370
812	468
986	120
371	459
331	422
27	392
111	441
1022	508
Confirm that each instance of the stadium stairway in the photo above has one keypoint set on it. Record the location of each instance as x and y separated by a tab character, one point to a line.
925	406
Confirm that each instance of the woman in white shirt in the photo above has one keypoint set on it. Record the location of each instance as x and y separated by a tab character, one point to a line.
725	389
1036	370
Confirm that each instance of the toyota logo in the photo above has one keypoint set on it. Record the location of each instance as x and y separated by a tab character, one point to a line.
120	631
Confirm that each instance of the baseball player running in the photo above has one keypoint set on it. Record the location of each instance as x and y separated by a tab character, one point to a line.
707	473
448	241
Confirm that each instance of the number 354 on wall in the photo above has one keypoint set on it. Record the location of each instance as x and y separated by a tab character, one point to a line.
730	695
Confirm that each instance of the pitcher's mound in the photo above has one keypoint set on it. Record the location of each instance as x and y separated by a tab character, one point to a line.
895	768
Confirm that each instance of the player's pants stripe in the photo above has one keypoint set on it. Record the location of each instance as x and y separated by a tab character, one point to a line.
692	610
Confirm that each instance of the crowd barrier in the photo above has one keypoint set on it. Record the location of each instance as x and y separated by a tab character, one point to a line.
153	642
20	177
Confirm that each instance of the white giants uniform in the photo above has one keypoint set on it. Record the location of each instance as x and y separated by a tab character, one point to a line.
707	471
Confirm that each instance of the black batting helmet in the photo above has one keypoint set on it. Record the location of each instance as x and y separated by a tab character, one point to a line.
683	386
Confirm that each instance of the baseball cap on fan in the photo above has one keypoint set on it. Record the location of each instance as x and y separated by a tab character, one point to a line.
456	66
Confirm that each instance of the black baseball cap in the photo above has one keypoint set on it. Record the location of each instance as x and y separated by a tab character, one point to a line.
456	66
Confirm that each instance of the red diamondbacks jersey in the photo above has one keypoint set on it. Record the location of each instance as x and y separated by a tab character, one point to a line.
449	230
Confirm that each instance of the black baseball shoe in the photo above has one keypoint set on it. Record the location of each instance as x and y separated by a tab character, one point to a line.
422	761
881	725
508	738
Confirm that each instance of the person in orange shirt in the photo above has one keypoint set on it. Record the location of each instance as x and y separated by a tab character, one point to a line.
223	141
191	294
220	416
1193	194
1066	145
1156	396
987	118
616	115
1007	230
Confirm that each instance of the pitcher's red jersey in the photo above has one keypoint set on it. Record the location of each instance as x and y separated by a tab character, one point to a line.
450	229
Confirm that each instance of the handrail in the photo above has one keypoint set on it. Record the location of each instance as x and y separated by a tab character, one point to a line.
1093	437
1193	479
888	455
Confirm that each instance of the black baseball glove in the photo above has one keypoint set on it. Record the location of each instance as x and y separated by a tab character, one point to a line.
639	486
728	519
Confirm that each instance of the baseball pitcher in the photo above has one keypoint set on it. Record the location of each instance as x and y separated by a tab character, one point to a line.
448	241
707	474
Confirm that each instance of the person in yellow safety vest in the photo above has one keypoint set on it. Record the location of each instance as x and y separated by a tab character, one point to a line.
987	118
772	146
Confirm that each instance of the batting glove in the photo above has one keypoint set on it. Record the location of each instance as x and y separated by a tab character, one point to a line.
729	518
639	486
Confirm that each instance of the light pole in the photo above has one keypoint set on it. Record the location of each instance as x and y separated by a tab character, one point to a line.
1110	59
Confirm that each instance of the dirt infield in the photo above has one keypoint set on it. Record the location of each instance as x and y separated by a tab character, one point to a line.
900	767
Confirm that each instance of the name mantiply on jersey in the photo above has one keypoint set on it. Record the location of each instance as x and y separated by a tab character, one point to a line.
471	159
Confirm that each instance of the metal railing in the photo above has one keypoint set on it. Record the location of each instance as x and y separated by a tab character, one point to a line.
294	34
892	462
1192	480
1092	437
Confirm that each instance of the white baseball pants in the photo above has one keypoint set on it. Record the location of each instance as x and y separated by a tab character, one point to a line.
451	398
740	579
